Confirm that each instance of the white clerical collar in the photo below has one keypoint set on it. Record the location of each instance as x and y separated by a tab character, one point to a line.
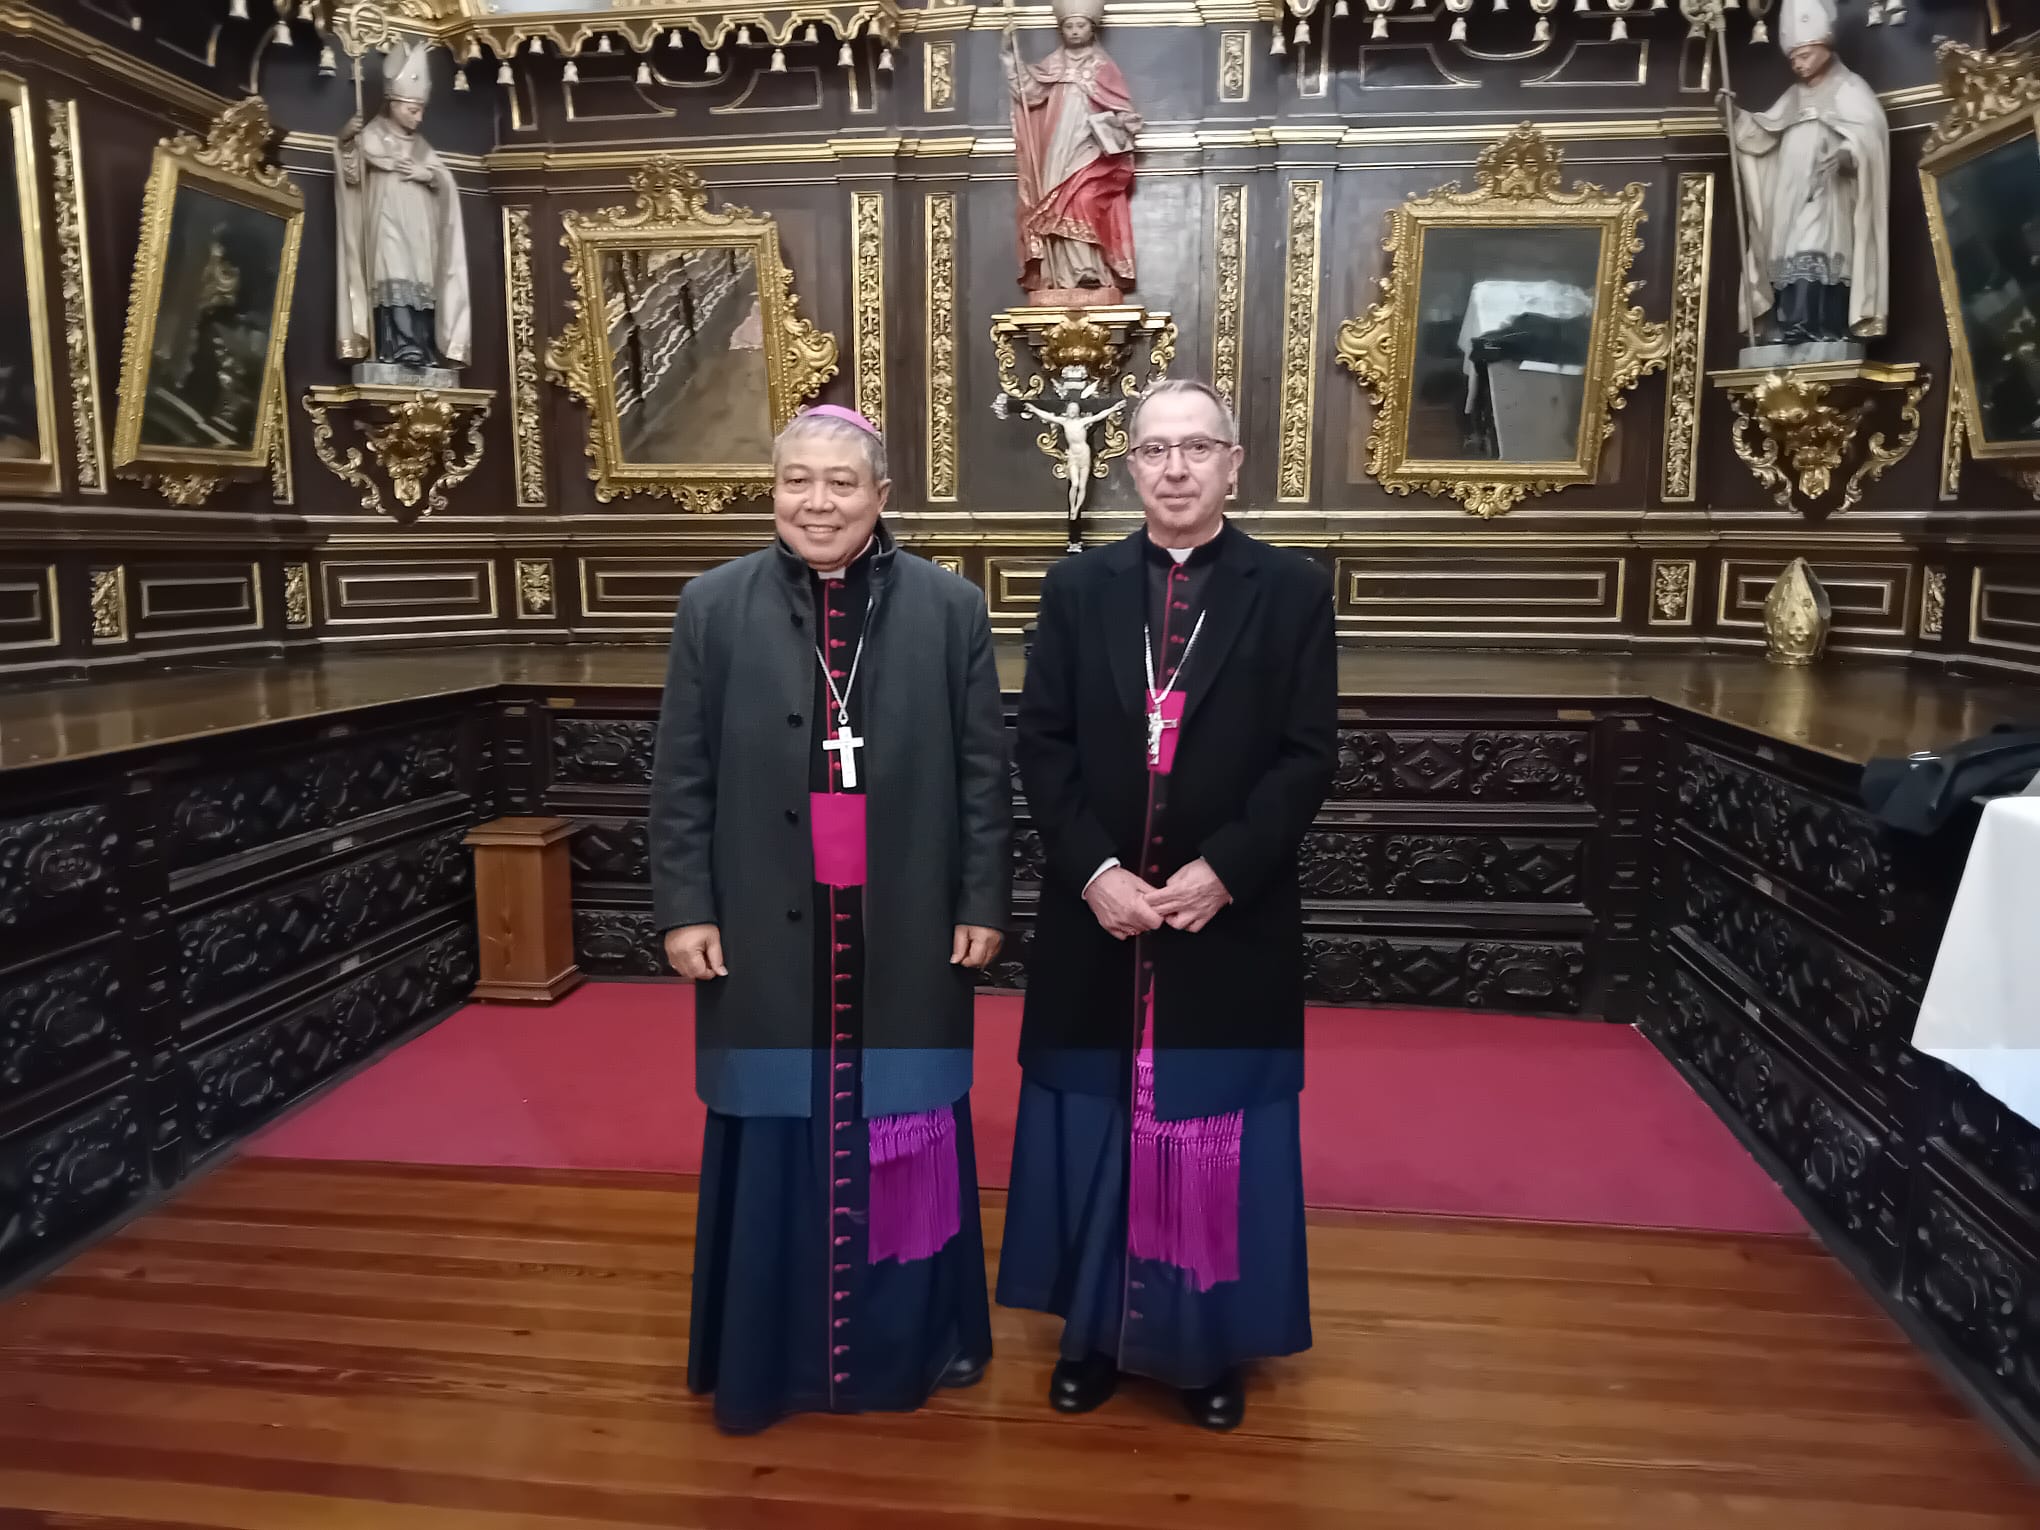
1179	553
838	573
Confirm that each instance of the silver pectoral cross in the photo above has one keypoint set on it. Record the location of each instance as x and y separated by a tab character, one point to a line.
1156	723
846	744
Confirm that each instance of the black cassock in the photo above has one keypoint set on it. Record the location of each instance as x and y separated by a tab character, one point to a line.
795	1309
1157	1199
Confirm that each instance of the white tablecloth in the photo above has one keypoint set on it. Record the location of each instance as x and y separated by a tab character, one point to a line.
1981	1014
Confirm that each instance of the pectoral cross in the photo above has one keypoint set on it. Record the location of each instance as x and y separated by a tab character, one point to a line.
1156	723
846	744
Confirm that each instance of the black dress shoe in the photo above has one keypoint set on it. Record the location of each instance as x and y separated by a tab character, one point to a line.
1078	1386
1219	1406
962	1372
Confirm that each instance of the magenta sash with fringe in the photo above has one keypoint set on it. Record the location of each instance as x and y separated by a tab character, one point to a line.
916	1204
1184	1200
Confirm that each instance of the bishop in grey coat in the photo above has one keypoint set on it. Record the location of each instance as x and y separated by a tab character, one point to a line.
830	817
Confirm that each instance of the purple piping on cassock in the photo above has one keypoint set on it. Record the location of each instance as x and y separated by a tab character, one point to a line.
1184	1202
916	1203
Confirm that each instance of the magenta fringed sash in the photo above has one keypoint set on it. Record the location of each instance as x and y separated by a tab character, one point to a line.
1184	1202
915	1200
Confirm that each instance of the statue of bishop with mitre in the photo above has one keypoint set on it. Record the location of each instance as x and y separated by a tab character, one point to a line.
403	283
1816	170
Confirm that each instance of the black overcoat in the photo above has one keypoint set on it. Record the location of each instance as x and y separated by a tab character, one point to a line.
1253	764
730	836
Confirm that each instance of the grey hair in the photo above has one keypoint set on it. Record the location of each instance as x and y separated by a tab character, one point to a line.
828	427
1177	385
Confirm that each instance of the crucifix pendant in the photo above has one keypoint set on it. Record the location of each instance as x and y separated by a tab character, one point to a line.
1156	724
845	745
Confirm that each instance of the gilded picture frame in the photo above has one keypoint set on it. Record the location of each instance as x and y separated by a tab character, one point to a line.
1980	177
208	309
29	448
701	356
1418	352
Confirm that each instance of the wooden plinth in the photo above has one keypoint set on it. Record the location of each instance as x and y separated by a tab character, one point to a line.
523	910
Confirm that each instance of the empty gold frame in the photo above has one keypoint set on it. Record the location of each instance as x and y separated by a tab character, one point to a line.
699	354
208	310
1503	342
28	416
1981	178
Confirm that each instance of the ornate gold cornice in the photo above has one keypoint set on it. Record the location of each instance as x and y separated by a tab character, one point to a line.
18	18
1982	89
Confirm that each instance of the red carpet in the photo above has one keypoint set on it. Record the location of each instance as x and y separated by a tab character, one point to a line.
1406	1110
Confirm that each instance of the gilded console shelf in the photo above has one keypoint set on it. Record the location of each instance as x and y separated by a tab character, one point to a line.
1786	415
411	434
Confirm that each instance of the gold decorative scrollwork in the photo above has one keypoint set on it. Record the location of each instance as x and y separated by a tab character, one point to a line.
414	440
1691	240
1934	603
1517	186
297	595
1671	592
867	269
1233	80
1794	439
88	439
943	424
527	434
109	605
1953	436
1983	89
939	90
1299	343
534	587
1081	349
672	216
1229	229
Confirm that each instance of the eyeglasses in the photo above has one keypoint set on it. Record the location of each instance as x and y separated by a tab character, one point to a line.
1197	451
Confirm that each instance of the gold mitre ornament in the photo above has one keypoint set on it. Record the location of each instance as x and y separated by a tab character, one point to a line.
406	76
1092	11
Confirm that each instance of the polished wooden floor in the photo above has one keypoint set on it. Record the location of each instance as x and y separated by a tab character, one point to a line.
357	1347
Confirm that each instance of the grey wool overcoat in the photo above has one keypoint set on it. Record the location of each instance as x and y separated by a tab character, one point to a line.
730	839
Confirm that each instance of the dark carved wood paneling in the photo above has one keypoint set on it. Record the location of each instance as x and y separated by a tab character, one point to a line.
1839	1158
56	1021
241	1083
216	814
1484	868
1982	1295
56	868
1541	977
602	751
228	950
613	942
64	1181
1831	850
1854	1013
1461	765
612	850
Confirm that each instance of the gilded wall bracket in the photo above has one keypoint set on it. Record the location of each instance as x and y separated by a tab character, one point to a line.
1795	428
1089	364
424	442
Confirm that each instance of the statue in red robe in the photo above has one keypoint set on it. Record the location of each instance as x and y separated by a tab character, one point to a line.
1073	131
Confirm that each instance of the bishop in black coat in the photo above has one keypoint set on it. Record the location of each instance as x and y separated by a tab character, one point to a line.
1177	735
